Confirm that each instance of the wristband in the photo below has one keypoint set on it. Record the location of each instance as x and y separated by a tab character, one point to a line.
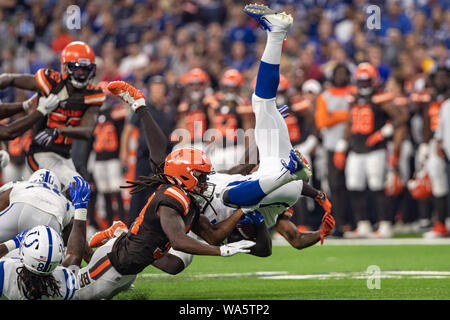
80	214
25	106
11	245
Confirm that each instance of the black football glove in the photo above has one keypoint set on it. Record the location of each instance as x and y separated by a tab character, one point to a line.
46	137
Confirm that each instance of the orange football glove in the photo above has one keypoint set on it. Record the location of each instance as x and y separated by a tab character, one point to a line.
129	94
322	199
327	226
374	138
339	160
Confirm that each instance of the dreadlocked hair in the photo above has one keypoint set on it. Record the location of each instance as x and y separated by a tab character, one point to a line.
35	286
159	178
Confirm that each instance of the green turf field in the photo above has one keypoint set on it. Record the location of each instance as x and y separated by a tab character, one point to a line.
320	272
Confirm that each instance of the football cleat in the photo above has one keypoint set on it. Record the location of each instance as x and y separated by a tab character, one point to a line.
297	166
129	94
439	231
100	238
269	19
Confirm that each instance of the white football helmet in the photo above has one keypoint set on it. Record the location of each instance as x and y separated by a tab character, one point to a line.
41	250
46	176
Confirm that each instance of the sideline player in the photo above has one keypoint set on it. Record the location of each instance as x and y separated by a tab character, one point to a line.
372	121
74	118
277	184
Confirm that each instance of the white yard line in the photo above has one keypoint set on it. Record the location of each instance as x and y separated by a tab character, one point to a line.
374	242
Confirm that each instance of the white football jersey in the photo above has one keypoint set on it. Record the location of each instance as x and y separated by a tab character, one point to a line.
43	197
273	205
9	289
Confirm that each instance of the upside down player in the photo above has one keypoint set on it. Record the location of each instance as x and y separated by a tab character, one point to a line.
279	180
74	118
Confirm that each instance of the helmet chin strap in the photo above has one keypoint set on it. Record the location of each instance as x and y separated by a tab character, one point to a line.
78	84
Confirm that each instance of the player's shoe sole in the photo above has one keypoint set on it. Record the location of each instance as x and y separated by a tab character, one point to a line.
269	19
129	94
102	237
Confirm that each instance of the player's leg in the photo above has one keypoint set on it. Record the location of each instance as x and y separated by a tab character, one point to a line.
62	167
99	279
271	133
355	180
376	174
436	169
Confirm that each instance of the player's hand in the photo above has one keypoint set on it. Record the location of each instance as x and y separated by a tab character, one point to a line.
422	154
46	136
322	199
328	224
81	193
129	94
231	249
18	239
30	103
339	160
4	158
253	217
47	104
284	110
374	138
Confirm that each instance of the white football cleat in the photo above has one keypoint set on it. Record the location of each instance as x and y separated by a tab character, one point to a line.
269	19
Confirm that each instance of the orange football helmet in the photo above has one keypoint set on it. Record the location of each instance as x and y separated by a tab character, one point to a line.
232	78
420	186
366	76
196	75
189	167
394	184
78	63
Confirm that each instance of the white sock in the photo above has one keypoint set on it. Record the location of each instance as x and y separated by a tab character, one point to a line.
274	44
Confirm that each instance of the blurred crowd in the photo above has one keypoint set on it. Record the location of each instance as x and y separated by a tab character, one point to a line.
196	61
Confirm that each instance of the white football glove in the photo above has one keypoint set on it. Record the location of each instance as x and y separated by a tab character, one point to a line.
4	158
47	104
231	249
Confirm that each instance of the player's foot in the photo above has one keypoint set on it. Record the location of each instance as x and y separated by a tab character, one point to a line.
269	19
100	238
129	94
363	230
439	231
298	167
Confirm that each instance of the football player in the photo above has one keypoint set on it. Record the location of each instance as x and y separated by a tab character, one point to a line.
40	269
75	116
427	151
373	120
279	179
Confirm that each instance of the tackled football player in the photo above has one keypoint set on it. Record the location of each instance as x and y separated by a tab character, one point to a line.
276	185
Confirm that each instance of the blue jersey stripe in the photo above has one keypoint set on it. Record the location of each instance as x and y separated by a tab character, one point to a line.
73	286
6	210
66	276
2	276
50	249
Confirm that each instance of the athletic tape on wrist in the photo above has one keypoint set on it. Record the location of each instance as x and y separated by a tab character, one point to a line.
80	214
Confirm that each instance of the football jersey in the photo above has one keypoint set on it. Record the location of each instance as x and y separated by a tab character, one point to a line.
146	241
69	112
107	133
9	289
43	197
271	206
368	117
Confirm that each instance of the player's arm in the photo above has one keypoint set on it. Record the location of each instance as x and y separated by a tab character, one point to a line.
20	81
18	127
174	227
296	239
86	128
9	109
340	153
215	234
4	199
77	240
